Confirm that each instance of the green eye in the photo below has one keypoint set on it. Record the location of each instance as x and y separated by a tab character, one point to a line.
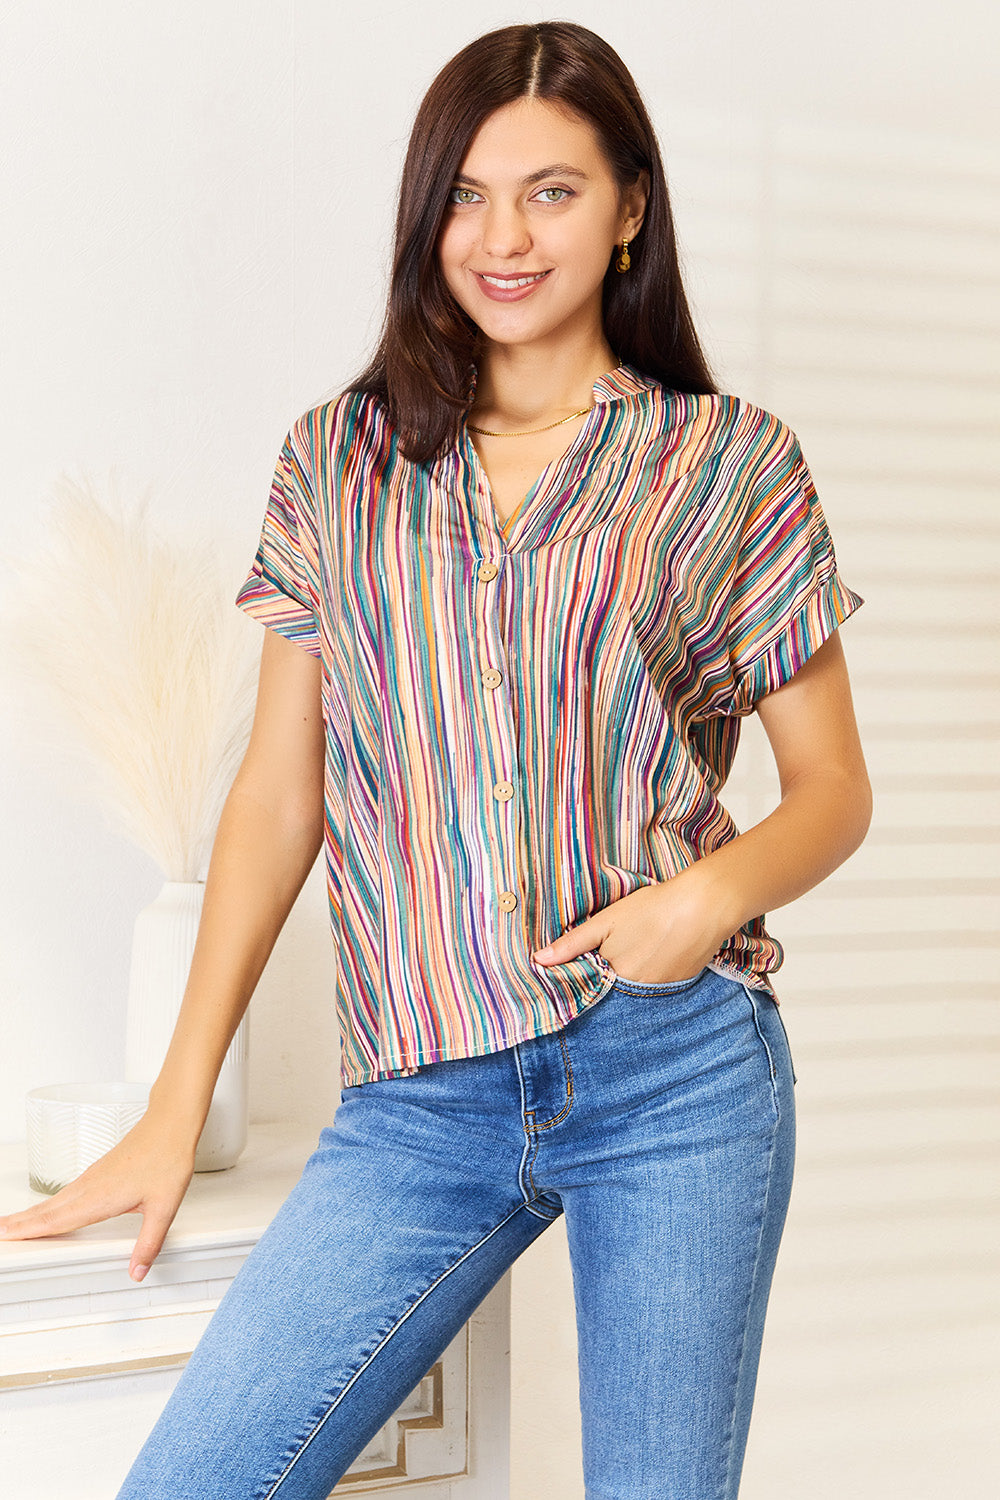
462	195
548	192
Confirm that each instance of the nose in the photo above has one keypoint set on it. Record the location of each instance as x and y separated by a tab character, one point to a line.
505	231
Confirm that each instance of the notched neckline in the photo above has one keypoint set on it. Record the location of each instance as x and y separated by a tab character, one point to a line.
615	385
535	491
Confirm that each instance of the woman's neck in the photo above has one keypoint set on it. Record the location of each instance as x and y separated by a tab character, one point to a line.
520	386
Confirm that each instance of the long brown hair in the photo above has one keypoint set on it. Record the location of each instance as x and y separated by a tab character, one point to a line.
421	370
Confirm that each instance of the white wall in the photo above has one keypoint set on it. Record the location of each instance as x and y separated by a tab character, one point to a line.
201	198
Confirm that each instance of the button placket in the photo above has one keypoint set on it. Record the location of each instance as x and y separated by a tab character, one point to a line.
501	730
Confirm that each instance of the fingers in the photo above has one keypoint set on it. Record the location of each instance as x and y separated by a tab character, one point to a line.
76	1210
155	1223
68	1209
586	936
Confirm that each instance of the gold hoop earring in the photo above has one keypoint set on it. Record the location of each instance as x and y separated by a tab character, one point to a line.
624	260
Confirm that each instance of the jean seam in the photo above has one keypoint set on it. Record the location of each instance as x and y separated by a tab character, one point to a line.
525	1174
279	1481
727	1476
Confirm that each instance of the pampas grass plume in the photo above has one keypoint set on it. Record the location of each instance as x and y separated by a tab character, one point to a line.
133	653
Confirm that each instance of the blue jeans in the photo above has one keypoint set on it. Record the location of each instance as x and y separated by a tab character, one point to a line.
661	1123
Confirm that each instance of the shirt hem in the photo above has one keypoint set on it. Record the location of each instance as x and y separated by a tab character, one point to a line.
410	1064
752	980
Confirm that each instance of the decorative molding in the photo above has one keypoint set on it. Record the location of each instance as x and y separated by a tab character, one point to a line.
431	1419
93	1372
426	1411
427	1438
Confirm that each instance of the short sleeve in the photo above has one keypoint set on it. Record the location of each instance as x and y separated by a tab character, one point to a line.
787	596
281	589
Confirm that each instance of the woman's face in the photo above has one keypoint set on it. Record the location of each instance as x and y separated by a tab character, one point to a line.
533	218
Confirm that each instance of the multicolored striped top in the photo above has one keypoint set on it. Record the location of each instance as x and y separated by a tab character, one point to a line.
525	722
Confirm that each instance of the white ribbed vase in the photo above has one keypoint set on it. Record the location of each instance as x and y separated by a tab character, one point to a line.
162	946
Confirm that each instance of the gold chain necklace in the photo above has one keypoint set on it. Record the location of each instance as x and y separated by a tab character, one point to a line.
530	432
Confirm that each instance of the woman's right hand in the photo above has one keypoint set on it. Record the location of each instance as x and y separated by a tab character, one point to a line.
146	1173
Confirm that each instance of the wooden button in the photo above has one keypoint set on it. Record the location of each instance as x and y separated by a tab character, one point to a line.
492	678
503	791
487	571
507	901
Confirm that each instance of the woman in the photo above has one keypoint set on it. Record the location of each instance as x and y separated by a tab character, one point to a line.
521	583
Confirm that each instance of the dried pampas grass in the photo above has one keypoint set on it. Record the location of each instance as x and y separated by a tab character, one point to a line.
131	653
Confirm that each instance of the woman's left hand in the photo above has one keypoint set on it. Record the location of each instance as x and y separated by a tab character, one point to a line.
655	935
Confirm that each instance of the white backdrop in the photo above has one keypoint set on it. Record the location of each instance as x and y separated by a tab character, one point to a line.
196	209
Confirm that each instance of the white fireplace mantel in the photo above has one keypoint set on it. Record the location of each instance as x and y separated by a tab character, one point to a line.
87	1358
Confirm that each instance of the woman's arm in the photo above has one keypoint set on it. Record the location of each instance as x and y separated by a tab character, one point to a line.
670	930
268	837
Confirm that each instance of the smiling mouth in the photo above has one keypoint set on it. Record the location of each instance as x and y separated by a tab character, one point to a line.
505	283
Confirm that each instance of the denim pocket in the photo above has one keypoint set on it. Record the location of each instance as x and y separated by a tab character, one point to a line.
666	987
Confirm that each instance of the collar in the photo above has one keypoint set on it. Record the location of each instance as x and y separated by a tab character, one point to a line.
621	383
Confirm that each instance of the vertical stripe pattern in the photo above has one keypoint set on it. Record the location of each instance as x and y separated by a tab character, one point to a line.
526	722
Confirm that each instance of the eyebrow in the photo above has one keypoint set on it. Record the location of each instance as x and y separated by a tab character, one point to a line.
558	169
